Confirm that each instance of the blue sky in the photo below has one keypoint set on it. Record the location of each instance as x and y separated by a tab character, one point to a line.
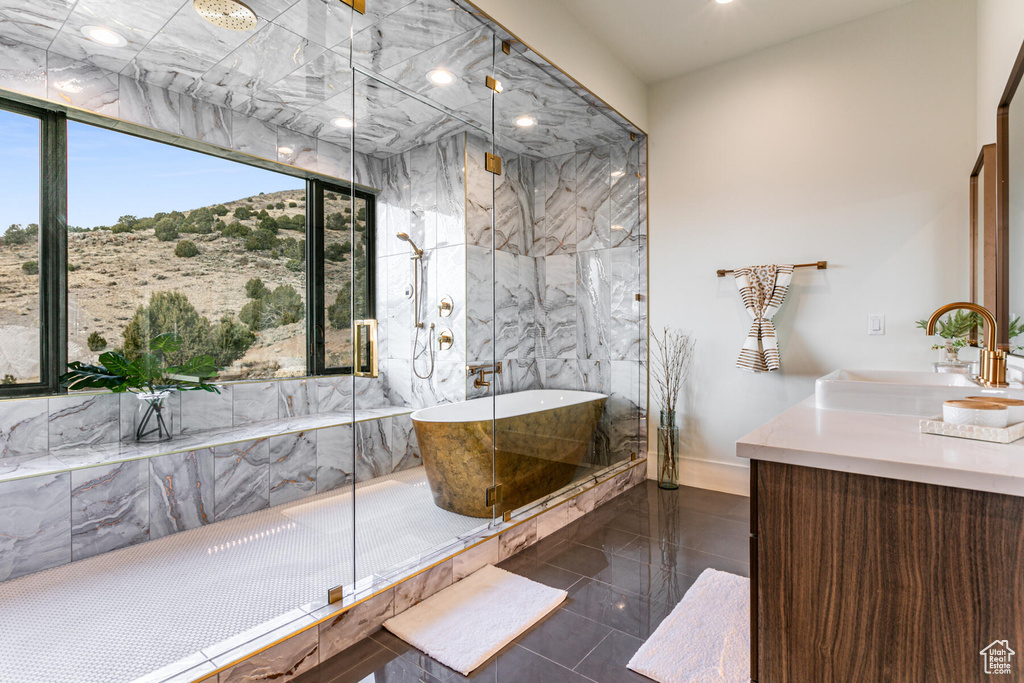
111	174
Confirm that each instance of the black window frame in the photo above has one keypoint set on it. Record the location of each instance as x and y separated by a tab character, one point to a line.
53	244
316	285
53	250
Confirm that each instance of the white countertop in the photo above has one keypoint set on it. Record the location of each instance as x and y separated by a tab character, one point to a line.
890	446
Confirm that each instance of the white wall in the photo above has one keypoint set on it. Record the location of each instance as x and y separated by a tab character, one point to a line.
852	145
546	26
1000	34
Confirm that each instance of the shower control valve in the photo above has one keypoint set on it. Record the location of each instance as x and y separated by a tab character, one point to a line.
445	339
446	307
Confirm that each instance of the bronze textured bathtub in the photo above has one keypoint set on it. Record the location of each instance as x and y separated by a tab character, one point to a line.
541	438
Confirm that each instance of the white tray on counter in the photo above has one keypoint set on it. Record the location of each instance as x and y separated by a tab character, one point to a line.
993	434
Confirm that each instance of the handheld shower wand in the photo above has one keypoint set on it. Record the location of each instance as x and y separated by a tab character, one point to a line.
417	283
405	238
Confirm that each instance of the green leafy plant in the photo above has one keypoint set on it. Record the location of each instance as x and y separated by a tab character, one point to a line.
149	375
30	267
955	328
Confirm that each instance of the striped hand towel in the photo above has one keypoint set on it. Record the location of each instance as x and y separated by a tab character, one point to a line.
763	289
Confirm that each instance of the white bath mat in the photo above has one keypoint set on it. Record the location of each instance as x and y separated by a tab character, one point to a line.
706	638
468	622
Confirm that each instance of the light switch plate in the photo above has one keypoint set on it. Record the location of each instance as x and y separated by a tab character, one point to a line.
876	324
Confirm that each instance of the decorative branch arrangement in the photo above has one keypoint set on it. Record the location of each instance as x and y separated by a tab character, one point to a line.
671	364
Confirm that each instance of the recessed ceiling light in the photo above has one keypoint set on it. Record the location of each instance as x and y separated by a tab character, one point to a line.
723	2
342	122
285	150
104	36
441	77
526	121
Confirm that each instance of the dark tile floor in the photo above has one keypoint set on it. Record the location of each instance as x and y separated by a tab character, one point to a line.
625	566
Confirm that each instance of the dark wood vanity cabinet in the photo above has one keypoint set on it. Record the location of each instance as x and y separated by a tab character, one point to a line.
861	579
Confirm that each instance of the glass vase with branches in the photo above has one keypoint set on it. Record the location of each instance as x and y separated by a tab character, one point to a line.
670	367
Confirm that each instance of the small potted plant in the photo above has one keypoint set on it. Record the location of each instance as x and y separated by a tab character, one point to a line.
670	367
149	378
956	329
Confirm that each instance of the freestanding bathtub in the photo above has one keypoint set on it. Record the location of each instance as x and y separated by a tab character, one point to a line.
540	439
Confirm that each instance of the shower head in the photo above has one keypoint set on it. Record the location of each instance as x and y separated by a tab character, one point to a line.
405	238
230	14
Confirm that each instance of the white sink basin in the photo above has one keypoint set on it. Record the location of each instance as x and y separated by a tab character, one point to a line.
897	393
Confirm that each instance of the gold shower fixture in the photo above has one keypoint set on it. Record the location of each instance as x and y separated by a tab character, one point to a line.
230	14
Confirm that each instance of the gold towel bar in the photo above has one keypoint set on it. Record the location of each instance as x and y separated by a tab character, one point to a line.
820	265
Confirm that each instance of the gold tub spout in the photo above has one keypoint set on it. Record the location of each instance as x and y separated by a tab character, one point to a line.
993	361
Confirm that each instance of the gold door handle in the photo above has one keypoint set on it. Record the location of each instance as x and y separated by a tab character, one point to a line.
365	348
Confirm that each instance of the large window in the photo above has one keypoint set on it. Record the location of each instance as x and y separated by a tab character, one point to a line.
20	352
161	238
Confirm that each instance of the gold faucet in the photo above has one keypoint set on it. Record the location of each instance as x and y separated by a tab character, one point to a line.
993	361
483	371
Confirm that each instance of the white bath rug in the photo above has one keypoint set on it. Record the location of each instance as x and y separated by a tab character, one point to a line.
468	622
706	638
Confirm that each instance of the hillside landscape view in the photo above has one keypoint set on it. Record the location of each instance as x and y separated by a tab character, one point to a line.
229	278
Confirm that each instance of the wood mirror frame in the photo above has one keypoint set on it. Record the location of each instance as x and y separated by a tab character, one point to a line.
983	189
1002	265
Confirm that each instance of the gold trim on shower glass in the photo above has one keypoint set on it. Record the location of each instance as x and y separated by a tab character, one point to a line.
357	5
365	349
492	163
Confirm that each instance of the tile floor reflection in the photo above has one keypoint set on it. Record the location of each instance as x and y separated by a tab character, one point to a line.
625	566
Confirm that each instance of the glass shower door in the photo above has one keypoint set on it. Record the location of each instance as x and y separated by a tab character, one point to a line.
413	495
567	266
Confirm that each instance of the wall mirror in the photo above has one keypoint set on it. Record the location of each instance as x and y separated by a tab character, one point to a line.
1009	261
983	228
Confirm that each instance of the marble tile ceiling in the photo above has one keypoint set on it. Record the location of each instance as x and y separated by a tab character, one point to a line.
294	69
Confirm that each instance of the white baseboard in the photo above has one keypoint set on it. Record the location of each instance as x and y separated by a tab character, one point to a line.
707	474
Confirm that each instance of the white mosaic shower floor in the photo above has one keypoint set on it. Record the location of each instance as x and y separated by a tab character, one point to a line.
118	616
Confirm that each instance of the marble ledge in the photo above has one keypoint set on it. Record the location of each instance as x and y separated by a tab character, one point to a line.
888	446
80	457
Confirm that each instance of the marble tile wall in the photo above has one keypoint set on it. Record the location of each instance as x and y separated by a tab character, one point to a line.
55	518
33	426
423	195
553	291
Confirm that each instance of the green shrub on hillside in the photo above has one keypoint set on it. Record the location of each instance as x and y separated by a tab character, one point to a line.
255	289
30	267
261	240
282	306
172	312
166	230
243	213
235	229
96	342
186	249
337	251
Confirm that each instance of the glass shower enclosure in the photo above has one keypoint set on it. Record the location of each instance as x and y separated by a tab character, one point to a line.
504	338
